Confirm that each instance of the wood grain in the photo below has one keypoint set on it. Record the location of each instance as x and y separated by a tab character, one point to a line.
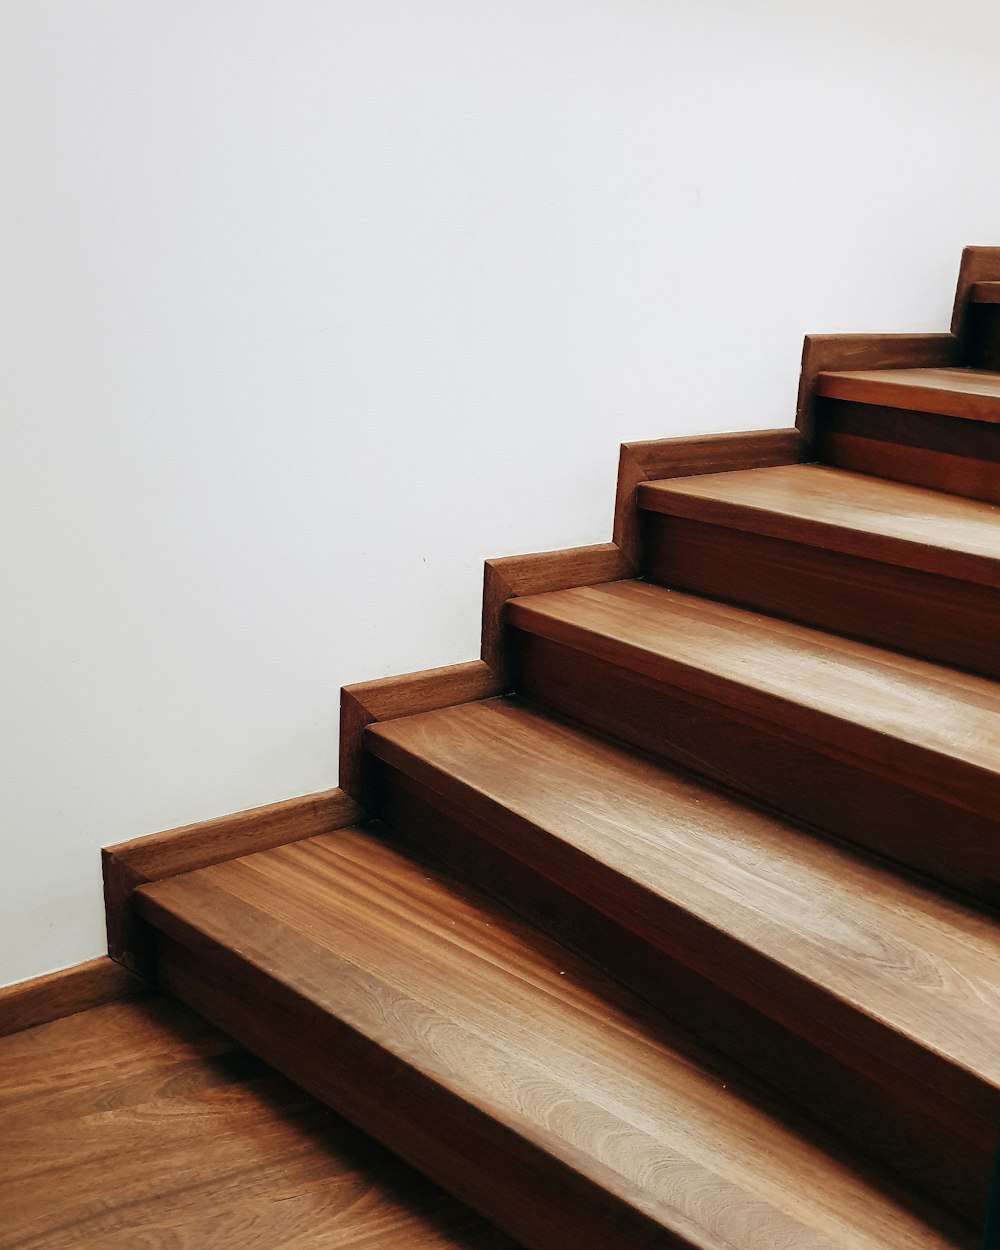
133	863
881	1109
29	1003
141	1126
897	565
544	1092
824	352
368	702
966	394
864	971
985	292
810	776
682	457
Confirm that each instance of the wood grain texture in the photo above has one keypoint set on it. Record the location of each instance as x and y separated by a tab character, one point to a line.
543	1091
942	453
884	1121
986	292
368	702
42	999
504	579
130	864
888	563
691	693
141	1126
966	394
863	971
682	457
824	352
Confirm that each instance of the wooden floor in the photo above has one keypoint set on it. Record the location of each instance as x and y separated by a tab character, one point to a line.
137	1125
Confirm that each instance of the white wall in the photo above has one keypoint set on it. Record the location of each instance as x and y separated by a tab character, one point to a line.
308	306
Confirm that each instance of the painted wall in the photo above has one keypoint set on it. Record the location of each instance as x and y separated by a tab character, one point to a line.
308	306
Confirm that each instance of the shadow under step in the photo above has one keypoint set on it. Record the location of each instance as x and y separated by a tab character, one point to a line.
889	563
501	1066
893	753
931	427
867	998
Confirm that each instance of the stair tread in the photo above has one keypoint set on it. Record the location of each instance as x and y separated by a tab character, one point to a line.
923	965
515	1027
973	394
846	512
922	722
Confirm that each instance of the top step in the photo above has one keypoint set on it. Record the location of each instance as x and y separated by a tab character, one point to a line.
970	394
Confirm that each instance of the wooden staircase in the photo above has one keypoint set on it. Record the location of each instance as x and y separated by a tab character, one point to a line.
675	924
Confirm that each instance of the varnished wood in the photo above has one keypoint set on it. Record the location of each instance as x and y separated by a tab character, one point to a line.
546	1094
129	864
906	735
898	524
823	352
942	453
701	879
878	1106
681	457
139	1125
548	570
967	394
42	999
367	702
905	567
985	292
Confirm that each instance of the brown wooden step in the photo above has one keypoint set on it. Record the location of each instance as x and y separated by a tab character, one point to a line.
938	428
890	563
985	292
890	752
501	1065
884	977
969	394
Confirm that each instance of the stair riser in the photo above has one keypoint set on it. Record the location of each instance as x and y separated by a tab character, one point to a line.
944	453
919	613
790	773
982	336
899	1104
507	1178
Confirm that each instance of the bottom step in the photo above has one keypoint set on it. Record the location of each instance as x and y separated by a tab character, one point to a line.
532	1087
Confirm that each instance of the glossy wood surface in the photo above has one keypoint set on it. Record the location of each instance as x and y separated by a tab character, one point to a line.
985	293
934	728
968	394
645	843
367	702
151	858
846	512
141	1126
882	1111
92	984
553	1062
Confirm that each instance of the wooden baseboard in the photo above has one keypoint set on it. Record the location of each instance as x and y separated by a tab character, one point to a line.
511	576
687	457
822	352
389	698
64	993
142	860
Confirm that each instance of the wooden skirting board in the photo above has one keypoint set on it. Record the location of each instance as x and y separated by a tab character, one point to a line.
688	457
43	999
822	353
142	860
